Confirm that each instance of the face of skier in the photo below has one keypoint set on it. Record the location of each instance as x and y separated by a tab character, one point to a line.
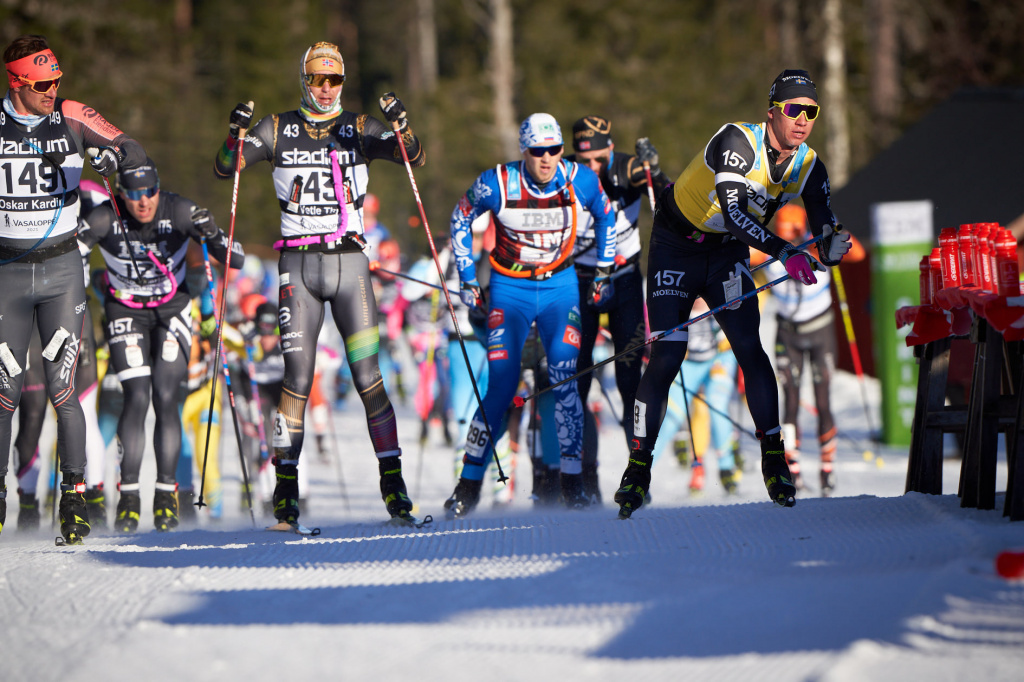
142	208
596	160
325	87
789	133
542	168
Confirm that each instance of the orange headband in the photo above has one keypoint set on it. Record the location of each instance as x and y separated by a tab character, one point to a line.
40	66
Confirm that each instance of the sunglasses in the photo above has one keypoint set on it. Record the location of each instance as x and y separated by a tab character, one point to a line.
138	194
553	150
793	111
317	80
42	87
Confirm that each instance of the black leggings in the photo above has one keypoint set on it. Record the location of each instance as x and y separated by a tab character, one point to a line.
308	280
149	351
53	293
819	348
678	271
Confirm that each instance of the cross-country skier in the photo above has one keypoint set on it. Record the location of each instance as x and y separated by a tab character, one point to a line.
540	204
703	227
322	257
41	275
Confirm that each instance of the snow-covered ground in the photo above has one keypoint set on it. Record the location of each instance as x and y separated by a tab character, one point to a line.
869	585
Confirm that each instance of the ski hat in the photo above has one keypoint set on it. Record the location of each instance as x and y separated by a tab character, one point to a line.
790	84
143	177
266	319
539	130
591	133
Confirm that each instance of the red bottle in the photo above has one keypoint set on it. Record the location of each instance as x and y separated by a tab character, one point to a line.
935	270
983	253
965	242
1007	276
950	258
925	280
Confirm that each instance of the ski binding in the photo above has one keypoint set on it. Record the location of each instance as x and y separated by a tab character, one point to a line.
409	520
297	528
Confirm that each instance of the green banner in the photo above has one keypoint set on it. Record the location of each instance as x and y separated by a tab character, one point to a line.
901	233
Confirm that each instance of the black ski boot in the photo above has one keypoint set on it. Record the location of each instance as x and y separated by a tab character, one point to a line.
165	510
129	508
72	510
573	496
777	478
392	488
3	506
464	499
186	506
636	481
28	512
96	501
286	493
828	483
730	480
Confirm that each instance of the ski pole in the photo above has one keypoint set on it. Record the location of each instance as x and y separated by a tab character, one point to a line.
519	401
221	357
854	352
375	267
451	308
650	184
94	153
719	412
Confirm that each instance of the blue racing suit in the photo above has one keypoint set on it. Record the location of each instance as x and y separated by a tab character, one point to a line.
532	278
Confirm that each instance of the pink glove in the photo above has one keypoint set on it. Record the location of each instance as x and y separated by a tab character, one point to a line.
799	265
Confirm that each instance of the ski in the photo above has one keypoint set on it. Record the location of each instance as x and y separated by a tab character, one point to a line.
61	542
409	521
297	528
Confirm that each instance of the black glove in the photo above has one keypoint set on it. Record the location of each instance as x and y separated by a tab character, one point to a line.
240	119
104	161
203	221
600	290
645	151
393	110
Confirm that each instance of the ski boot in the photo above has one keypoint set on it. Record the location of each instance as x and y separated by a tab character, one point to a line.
73	512
96	501
463	499
28	512
546	490
697	479
828	483
3	506
286	491
392	489
636	480
573	496
165	510
681	446
129	508
186	507
775	471
730	481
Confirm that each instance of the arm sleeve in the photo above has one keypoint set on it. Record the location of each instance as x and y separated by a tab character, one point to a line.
378	142
96	131
594	199
638	176
259	146
482	197
730	156
817	199
96	225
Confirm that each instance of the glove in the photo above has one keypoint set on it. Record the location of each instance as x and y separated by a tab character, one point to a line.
835	243
248	330
393	110
645	151
104	161
240	119
207	326
799	264
600	288
471	294
203	221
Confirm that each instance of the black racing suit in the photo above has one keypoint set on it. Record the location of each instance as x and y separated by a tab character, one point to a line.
40	268
150	345
329	264
711	260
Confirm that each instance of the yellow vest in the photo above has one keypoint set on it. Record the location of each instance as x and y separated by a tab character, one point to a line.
697	200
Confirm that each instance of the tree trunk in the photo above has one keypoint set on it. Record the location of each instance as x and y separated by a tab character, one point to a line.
426	42
789	34
502	75
885	70
837	140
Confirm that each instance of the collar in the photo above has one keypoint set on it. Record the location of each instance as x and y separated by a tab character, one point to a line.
30	120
